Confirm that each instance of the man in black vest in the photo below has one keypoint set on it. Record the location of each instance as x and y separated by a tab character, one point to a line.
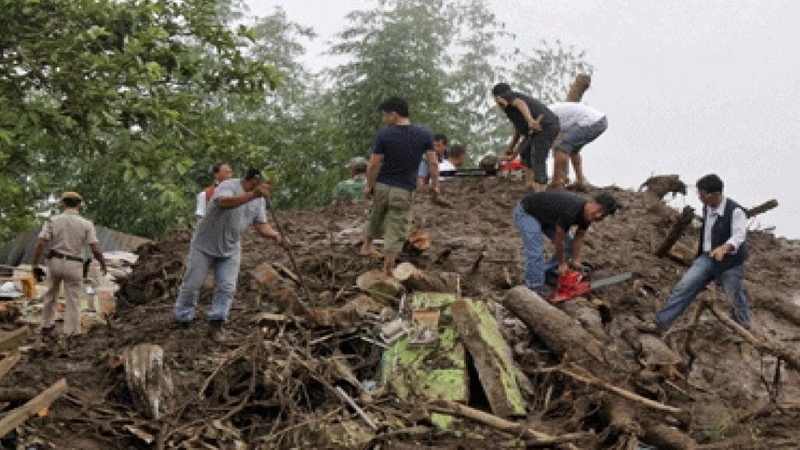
721	256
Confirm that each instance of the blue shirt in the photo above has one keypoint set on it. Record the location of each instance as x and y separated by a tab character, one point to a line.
402	147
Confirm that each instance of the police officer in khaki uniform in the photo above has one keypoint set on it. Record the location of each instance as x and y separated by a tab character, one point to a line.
68	234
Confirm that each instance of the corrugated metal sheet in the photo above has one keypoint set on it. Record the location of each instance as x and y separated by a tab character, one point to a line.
20	249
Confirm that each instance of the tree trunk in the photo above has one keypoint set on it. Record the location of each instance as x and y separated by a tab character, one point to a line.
579	86
762	208
558	330
149	380
492	359
675	233
418	280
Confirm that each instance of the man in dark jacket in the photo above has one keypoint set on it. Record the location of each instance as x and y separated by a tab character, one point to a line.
553	214
721	256
536	125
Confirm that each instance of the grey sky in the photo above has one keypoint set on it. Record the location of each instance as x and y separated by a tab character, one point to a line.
688	87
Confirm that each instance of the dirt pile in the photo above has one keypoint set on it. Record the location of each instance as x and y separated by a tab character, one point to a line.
274	383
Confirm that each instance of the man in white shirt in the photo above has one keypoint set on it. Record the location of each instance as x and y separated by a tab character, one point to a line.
222	171
721	257
457	158
580	125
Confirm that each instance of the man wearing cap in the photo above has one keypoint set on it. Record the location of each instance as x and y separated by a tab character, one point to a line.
222	171
391	178
352	189
721	256
536	125
68	235
216	244
553	214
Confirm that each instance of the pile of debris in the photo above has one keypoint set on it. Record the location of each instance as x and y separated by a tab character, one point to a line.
324	352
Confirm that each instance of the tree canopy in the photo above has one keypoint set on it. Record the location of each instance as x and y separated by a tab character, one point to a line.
130	101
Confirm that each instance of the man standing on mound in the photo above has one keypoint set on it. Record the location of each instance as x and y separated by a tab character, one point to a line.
392	178
536	125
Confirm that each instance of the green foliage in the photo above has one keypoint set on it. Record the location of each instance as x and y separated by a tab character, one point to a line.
134	84
130	101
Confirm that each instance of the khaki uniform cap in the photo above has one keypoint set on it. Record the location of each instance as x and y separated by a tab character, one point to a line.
72	195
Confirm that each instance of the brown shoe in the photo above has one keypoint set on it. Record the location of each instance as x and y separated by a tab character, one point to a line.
215	331
556	184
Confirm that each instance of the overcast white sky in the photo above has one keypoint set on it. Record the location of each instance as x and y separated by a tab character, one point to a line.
689	87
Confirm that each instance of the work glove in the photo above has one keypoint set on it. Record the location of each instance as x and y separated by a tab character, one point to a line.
39	274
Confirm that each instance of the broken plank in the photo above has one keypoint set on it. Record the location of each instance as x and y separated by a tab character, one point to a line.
16	417
8	362
427	372
14	338
478	330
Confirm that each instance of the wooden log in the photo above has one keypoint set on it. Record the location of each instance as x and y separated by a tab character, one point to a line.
8	362
661	185
537	437
762	208
14	339
591	381
675	233
668	438
764	343
280	290
492	358
353	313
427	281
621	418
149	381
579	86
650	350
16	417
558	330
379	286
588	316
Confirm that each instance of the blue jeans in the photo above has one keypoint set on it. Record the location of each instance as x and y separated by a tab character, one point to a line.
532	243
226	272
696	279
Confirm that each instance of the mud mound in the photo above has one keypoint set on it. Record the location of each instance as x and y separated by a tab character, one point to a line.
271	385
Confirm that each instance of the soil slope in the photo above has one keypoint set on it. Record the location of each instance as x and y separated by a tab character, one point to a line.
276	384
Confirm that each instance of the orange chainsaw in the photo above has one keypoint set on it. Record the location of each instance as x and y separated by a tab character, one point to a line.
579	283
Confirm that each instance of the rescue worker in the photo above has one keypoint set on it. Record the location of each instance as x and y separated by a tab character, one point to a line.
68	235
352	189
216	245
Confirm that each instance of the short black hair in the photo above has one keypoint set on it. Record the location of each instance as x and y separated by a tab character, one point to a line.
71	202
608	202
216	166
500	88
710	183
252	174
440	137
395	104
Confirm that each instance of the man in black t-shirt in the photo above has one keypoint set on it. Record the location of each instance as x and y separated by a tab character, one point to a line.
537	126
392	178
552	214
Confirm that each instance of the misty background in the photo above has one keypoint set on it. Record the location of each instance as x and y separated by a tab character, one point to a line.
689	88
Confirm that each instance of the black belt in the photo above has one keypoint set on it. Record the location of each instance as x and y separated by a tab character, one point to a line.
55	254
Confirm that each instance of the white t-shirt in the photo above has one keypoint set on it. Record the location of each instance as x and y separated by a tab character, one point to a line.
445	165
200	210
572	114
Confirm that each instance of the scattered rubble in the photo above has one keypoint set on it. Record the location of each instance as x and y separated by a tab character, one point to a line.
446	354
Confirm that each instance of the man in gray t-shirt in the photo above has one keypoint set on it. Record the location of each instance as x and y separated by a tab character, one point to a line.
216	244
